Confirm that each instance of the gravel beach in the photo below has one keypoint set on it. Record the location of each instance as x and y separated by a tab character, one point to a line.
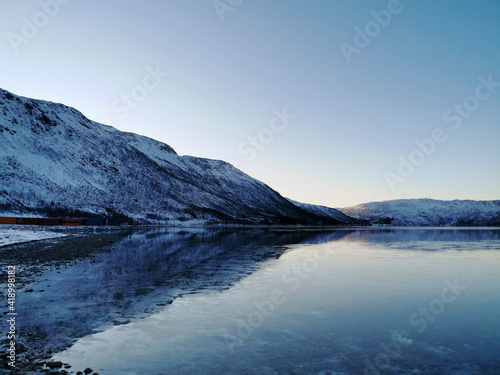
33	258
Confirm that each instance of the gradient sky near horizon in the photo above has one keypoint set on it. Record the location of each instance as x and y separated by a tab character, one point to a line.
232	65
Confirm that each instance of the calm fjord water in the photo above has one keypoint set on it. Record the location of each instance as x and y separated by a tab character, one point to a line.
274	301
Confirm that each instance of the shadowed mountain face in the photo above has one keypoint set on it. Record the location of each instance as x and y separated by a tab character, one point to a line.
53	159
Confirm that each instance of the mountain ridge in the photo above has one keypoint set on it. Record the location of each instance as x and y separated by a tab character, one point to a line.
428	212
56	160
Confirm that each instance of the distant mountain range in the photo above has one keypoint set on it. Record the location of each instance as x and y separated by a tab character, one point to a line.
56	162
428	212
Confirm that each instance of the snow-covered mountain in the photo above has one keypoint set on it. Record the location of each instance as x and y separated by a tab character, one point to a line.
53	160
324	211
428	212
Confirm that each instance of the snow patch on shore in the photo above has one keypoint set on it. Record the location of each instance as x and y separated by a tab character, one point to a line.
13	236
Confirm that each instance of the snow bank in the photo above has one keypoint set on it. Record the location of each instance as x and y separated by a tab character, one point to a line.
13	236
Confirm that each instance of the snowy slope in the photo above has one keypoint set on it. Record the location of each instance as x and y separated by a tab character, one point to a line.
429	212
328	212
55	160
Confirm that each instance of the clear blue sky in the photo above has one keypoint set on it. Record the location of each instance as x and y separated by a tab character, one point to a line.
203	78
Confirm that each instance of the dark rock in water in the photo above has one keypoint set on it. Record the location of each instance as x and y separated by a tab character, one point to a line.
79	373
55	364
28	290
88	370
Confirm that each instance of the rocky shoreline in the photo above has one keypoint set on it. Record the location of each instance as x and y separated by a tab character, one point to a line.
31	259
